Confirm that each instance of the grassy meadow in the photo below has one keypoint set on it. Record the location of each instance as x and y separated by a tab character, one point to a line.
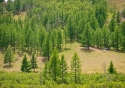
93	60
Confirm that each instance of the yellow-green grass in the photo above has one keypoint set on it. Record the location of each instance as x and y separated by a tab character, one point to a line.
119	4
16	64
21	15
95	60
92	61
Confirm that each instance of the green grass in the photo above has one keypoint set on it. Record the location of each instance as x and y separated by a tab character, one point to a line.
32	80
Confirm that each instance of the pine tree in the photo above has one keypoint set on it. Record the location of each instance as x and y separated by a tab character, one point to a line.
25	67
112	24
118	19
54	66
63	68
1	8
47	48
106	36
86	36
17	5
65	36
59	39
123	27
9	6
76	68
8	57
111	68
54	39
70	29
33	62
116	37
46	70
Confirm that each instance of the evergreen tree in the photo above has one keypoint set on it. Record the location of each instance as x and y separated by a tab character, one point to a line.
86	36
65	33
76	68
111	68
106	35
47	46
33	62
9	6
112	24
70	29
118	19
63	68
54	66
116	37
46	71
1	8
25	67
123	27
54	39
17	5
8	57
59	39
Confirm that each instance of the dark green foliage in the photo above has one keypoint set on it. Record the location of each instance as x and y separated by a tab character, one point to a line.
1	8
70	29
47	46
76	68
118	18
123	12
17	5
9	6
59	38
86	36
33	62
25	67
123	28
8	57
112	24
111	68
46	71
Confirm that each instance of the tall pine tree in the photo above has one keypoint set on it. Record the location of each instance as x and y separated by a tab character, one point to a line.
33	62
63	68
76	68
8	57
25	67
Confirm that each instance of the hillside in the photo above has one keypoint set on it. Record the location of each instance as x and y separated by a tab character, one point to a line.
62	44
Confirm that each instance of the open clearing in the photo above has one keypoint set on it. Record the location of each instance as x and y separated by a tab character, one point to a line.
120	4
92	61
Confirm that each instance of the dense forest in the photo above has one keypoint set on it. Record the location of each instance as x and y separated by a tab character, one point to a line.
46	29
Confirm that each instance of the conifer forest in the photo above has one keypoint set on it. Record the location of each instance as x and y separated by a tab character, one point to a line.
62	43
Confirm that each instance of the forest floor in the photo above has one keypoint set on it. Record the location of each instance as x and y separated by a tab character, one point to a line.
92	61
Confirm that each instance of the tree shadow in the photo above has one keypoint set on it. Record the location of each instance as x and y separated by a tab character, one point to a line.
45	59
84	49
7	66
20	54
63	50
